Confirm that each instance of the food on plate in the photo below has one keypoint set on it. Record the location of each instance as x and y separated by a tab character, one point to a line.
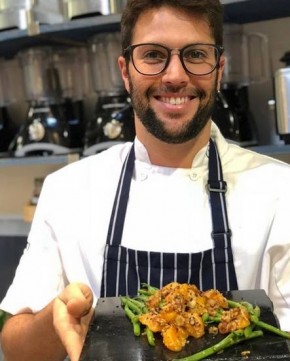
179	311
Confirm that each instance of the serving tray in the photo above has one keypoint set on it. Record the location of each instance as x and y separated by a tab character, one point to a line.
111	338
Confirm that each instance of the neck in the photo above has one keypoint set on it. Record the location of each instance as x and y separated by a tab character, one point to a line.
173	155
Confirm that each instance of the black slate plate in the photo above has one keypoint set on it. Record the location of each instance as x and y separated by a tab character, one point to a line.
111	338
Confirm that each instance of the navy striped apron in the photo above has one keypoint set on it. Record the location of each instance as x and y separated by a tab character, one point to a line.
126	269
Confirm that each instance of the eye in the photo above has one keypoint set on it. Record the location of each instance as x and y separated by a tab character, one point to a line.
195	55
151	53
154	56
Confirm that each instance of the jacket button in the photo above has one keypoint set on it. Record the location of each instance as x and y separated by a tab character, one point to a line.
193	176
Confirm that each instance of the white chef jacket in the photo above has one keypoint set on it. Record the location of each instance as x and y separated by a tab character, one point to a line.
168	211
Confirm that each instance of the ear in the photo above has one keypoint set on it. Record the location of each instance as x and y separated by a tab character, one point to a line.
124	72
221	69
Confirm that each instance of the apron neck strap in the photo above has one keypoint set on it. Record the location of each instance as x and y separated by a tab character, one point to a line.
217	189
118	215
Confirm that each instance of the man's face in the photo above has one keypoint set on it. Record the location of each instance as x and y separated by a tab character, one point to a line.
173	106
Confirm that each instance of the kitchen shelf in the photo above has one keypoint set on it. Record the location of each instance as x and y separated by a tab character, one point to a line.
78	31
13	226
249	11
73	33
272	149
280	152
39	160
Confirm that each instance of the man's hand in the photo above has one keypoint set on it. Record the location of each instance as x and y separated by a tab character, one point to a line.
72	313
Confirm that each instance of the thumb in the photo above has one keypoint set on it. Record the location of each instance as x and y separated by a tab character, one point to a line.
78	298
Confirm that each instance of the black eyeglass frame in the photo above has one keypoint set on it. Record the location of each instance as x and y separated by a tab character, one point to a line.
129	50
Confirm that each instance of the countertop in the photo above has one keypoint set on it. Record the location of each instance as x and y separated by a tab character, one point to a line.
13	225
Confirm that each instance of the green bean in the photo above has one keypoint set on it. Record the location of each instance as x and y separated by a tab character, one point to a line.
233	304
147	289
139	305
150	336
208	319
270	328
232	339
134	320
133	306
248	330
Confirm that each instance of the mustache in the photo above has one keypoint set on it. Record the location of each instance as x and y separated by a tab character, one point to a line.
178	90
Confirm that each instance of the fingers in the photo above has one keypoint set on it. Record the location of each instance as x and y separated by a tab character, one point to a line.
78	299
72	313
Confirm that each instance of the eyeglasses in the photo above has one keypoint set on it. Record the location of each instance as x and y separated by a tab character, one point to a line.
153	59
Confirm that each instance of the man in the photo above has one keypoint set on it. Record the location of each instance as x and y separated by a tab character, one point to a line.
180	204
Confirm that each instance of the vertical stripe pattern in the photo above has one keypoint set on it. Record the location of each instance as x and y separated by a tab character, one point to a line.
126	269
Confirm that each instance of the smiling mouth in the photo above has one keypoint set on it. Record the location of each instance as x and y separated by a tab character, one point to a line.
175	100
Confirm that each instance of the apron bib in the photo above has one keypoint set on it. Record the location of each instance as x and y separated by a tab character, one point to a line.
126	269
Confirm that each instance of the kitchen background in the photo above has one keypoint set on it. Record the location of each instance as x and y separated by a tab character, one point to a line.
58	79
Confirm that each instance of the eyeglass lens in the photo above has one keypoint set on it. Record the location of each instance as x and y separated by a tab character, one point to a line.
152	59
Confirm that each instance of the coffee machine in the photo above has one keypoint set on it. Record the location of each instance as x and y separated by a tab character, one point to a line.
53	80
282	95
113	120
246	63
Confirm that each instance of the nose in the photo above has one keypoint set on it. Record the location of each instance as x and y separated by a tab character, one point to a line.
175	73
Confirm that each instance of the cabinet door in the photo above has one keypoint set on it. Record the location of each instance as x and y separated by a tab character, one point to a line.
11	249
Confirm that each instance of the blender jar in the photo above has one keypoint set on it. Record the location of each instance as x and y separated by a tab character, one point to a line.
74	74
9	94
105	48
247	56
41	81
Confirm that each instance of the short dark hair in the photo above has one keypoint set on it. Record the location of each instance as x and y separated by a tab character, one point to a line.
210	10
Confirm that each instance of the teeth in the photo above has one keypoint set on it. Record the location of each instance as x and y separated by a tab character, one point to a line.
175	101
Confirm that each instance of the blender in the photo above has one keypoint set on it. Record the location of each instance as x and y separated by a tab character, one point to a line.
9	70
56	82
72	65
45	131
113	121
246	63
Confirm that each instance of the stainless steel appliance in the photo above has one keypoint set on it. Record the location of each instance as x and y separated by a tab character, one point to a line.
104	50
246	63
72	65
75	8
113	124
28	14
53	79
113	120
9	70
282	94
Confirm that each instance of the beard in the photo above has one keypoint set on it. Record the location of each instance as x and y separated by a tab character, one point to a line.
156	127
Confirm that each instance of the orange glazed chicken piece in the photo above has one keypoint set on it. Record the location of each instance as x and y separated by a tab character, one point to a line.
154	321
214	300
174	338
194	325
234	319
